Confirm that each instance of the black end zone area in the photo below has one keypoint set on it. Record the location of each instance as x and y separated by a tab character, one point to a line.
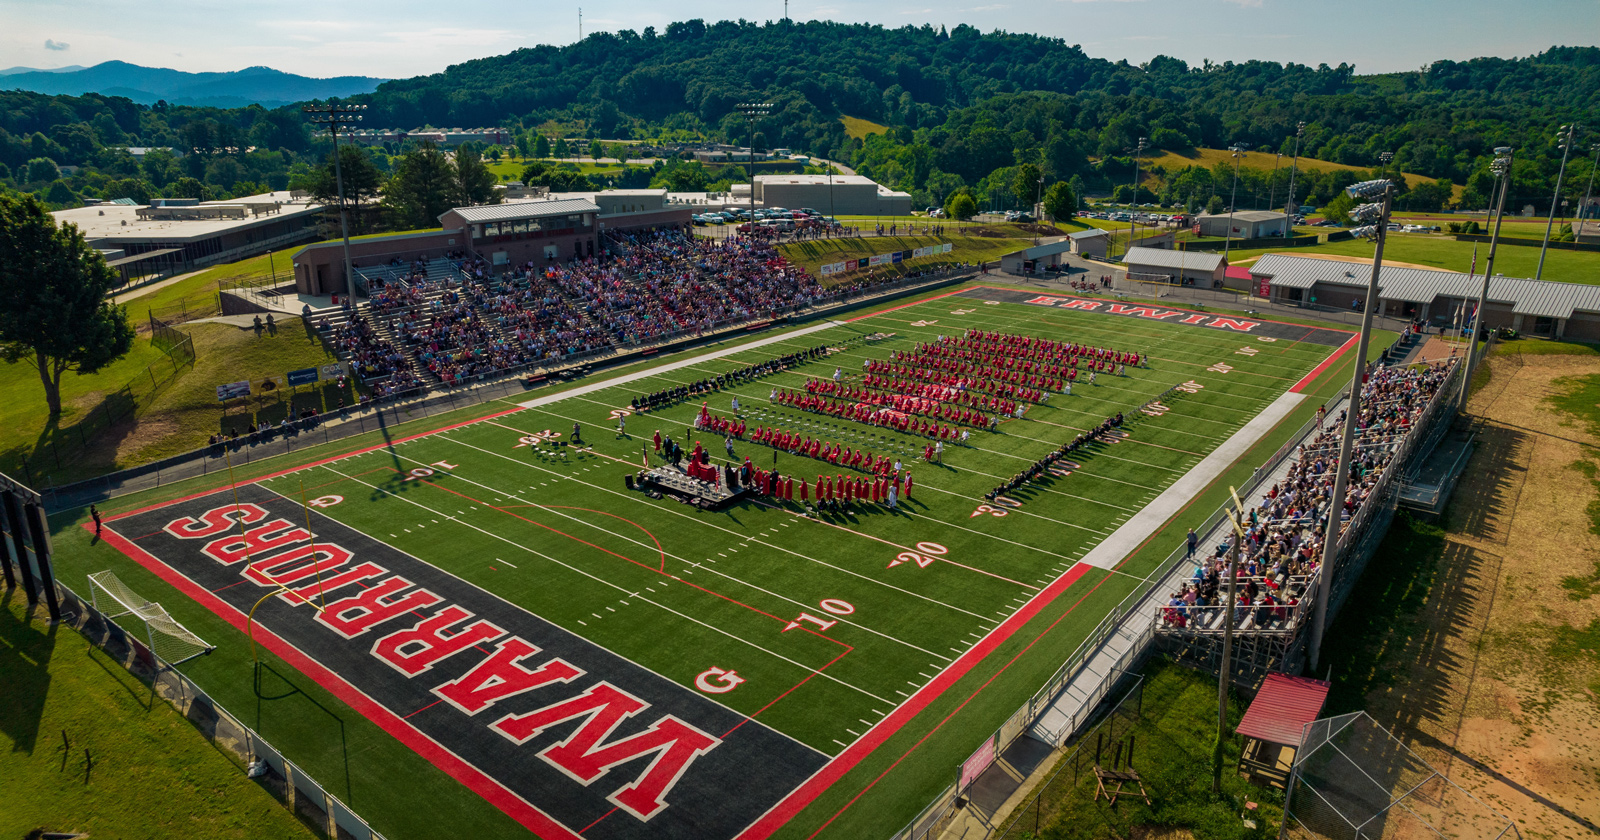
544	718
1219	321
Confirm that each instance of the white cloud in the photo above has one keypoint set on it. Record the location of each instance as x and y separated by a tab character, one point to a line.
56	46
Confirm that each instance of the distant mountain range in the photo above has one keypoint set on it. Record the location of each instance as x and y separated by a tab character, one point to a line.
145	85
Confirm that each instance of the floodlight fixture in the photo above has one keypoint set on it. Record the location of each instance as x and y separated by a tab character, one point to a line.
1502	151
1369	189
1368	232
1367	213
333	115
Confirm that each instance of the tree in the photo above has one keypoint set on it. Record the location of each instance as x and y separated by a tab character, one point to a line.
1025	184
474	183
561	150
1214	206
421	189
541	146
53	307
42	170
597	149
188	188
961	205
1059	201
135	188
533	172
362	180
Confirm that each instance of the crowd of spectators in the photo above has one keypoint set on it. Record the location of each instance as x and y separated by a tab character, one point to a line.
1283	537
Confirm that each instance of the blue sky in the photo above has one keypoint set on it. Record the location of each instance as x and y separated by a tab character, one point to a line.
411	37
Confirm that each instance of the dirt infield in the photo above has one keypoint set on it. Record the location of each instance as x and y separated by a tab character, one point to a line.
1491	671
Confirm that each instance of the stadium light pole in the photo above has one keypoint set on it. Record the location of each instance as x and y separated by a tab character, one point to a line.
1570	130
751	110
1133	217
1501	167
1238	150
334	115
1235	517
1375	219
1288	202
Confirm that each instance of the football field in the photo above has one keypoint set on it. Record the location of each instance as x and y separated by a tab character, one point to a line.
594	661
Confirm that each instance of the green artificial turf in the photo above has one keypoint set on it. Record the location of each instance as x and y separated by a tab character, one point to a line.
86	747
602	577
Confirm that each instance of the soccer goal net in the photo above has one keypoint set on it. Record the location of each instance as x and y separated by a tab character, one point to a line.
169	641
1154	285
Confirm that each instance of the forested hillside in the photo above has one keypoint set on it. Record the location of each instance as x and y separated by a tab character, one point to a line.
964	109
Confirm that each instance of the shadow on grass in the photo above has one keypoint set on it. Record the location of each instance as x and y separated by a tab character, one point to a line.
26	646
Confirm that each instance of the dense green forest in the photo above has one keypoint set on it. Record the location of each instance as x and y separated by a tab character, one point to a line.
963	108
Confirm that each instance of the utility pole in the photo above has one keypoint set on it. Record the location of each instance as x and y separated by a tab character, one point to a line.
1289	205
1502	171
1577	225
1383	190
334	115
1272	189
1238	150
1570	129
751	110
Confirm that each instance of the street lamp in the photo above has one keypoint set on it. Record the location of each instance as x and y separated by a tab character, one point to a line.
1289	202
1566	149
751	110
1374	219
1502	173
334	115
1238	150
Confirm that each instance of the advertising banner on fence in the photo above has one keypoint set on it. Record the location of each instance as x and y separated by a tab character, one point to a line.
864	262
233	391
303	376
878	259
946	248
897	256
333	371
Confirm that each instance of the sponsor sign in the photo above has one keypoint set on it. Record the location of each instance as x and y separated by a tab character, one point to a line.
303	376
233	390
333	371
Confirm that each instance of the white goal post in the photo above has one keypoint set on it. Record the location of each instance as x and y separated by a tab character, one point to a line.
1154	285
170	642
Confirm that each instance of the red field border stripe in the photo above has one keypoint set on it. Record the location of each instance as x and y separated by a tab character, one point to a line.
904	305
518	808
341	456
846	761
1326	363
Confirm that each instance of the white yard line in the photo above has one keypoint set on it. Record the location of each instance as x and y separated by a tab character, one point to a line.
1127	538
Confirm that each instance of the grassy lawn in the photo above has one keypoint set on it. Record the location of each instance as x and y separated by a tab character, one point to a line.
1443	252
25	426
1173	734
181	416
152	775
359	763
1174	161
858	129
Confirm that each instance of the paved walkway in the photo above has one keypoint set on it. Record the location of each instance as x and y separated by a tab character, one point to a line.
667	368
1152	516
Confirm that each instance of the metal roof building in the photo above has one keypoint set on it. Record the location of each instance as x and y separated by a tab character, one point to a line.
1541	307
1186	268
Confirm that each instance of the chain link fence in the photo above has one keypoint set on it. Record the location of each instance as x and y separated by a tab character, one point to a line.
1353	780
59	445
319	810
